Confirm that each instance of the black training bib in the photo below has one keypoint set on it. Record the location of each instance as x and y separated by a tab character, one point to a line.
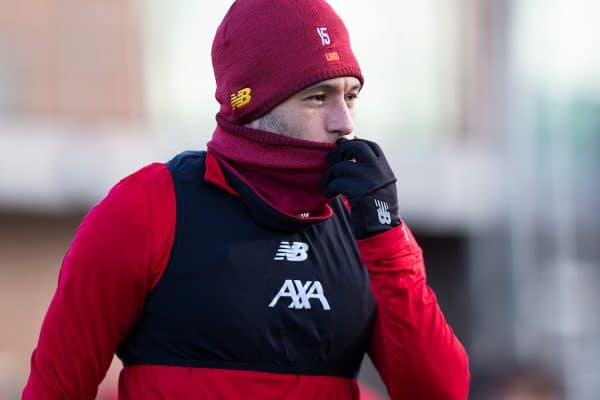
249	288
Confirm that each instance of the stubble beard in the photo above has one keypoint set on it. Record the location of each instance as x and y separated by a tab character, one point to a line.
274	123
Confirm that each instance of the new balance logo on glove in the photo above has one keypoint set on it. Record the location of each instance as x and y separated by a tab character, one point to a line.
297	251
300	293
383	212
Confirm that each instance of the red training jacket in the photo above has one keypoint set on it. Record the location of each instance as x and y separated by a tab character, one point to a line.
120	252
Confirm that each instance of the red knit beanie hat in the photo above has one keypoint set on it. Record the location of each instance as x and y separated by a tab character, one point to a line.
266	50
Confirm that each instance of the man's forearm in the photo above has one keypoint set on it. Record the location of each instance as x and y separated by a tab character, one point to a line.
413	347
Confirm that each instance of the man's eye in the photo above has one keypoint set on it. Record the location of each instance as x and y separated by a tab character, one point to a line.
316	97
351	96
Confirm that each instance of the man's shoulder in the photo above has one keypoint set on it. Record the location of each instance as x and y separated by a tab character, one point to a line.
150	178
156	179
187	164
146	194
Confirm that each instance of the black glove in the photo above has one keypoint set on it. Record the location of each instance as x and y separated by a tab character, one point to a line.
360	172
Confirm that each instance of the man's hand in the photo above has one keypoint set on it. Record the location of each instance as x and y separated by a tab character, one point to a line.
360	172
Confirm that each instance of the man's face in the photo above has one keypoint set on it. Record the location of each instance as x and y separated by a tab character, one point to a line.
323	112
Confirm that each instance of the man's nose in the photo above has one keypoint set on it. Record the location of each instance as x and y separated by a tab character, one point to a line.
340	119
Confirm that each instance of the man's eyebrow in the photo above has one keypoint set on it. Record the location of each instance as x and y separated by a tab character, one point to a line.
327	87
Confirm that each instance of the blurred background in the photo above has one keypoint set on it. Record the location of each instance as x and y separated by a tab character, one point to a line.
489	111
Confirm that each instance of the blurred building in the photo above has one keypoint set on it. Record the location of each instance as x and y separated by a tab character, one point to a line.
61	60
488	110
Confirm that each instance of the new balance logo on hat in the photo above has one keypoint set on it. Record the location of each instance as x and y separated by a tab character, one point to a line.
241	98
300	293
383	212
297	251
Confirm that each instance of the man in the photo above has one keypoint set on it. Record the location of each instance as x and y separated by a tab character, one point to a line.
266	267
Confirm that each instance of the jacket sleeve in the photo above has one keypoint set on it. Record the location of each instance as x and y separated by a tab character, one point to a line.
413	348
116	257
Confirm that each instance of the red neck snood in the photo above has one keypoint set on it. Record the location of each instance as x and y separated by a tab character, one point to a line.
284	171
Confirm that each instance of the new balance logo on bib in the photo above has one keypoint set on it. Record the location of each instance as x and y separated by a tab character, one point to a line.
300	294
297	251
